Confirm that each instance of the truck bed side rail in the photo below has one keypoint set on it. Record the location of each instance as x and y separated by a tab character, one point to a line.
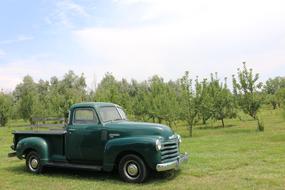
51	123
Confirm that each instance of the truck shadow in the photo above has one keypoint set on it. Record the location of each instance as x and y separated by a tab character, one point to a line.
77	174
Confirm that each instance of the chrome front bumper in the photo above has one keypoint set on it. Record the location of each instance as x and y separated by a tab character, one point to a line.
174	164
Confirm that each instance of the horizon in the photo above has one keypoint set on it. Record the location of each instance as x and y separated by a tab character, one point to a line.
136	39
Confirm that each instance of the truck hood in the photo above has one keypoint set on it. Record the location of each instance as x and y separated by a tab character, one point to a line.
128	128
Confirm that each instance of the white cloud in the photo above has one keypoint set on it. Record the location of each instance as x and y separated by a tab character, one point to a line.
19	38
169	38
39	67
200	36
44	67
65	11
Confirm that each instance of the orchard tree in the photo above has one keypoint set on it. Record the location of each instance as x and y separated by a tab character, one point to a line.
280	95
223	103
270	89
246	88
5	108
108	90
71	90
25	95
158	97
203	99
188	107
139	93
172	105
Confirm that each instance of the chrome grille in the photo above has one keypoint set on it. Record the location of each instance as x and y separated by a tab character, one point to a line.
169	151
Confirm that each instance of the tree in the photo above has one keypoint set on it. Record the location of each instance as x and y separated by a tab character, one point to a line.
108	90
204	100
280	95
246	89
139	93
25	95
271	87
172	105
188	107
5	108
223	103
157	97
71	90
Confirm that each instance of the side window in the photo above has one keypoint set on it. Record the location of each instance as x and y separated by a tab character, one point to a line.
85	116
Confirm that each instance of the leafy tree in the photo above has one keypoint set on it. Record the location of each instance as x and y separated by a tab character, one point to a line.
162	99
108	90
70	90
270	89
204	100
172	102
25	94
246	89
139	93
5	108
188	107
157	97
223	102
280	95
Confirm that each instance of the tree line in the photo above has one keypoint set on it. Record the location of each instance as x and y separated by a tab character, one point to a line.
185	99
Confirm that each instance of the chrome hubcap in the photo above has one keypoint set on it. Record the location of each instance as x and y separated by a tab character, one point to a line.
34	163
132	169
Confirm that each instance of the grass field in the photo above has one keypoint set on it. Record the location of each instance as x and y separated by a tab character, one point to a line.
234	157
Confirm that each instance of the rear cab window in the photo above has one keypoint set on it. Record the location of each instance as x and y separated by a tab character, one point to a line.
85	116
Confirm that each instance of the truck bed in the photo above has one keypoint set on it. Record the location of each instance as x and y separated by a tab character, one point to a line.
54	138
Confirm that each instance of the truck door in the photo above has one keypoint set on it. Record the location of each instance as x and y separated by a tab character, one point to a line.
83	140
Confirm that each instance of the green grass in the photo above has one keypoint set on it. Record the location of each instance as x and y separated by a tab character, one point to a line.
234	157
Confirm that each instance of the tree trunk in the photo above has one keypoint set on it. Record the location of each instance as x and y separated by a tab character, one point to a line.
204	121
190	130
223	122
274	105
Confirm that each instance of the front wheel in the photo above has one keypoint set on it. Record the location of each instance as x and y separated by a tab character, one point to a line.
33	162
132	169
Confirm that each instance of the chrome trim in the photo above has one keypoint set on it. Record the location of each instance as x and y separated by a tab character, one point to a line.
172	137
173	164
112	135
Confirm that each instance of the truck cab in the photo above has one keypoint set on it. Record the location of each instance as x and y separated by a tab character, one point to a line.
98	136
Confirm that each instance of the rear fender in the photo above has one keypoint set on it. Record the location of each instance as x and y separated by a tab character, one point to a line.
33	143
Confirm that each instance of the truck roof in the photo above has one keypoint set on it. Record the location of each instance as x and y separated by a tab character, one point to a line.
93	104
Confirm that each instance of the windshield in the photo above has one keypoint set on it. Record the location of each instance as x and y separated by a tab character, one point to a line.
111	114
122	113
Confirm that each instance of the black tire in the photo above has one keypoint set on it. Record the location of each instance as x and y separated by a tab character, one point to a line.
33	162
132	169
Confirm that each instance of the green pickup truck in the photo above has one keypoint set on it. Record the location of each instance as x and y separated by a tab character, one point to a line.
98	136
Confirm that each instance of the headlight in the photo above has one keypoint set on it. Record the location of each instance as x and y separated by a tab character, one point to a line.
179	138
157	145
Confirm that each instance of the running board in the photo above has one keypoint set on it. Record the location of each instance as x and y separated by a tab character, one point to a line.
76	166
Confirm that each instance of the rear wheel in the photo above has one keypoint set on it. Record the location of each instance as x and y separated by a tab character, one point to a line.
132	169
33	162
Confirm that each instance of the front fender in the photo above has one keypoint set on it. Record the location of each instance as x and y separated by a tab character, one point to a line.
34	143
143	146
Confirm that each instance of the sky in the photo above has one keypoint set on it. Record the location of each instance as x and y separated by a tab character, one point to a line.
139	38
